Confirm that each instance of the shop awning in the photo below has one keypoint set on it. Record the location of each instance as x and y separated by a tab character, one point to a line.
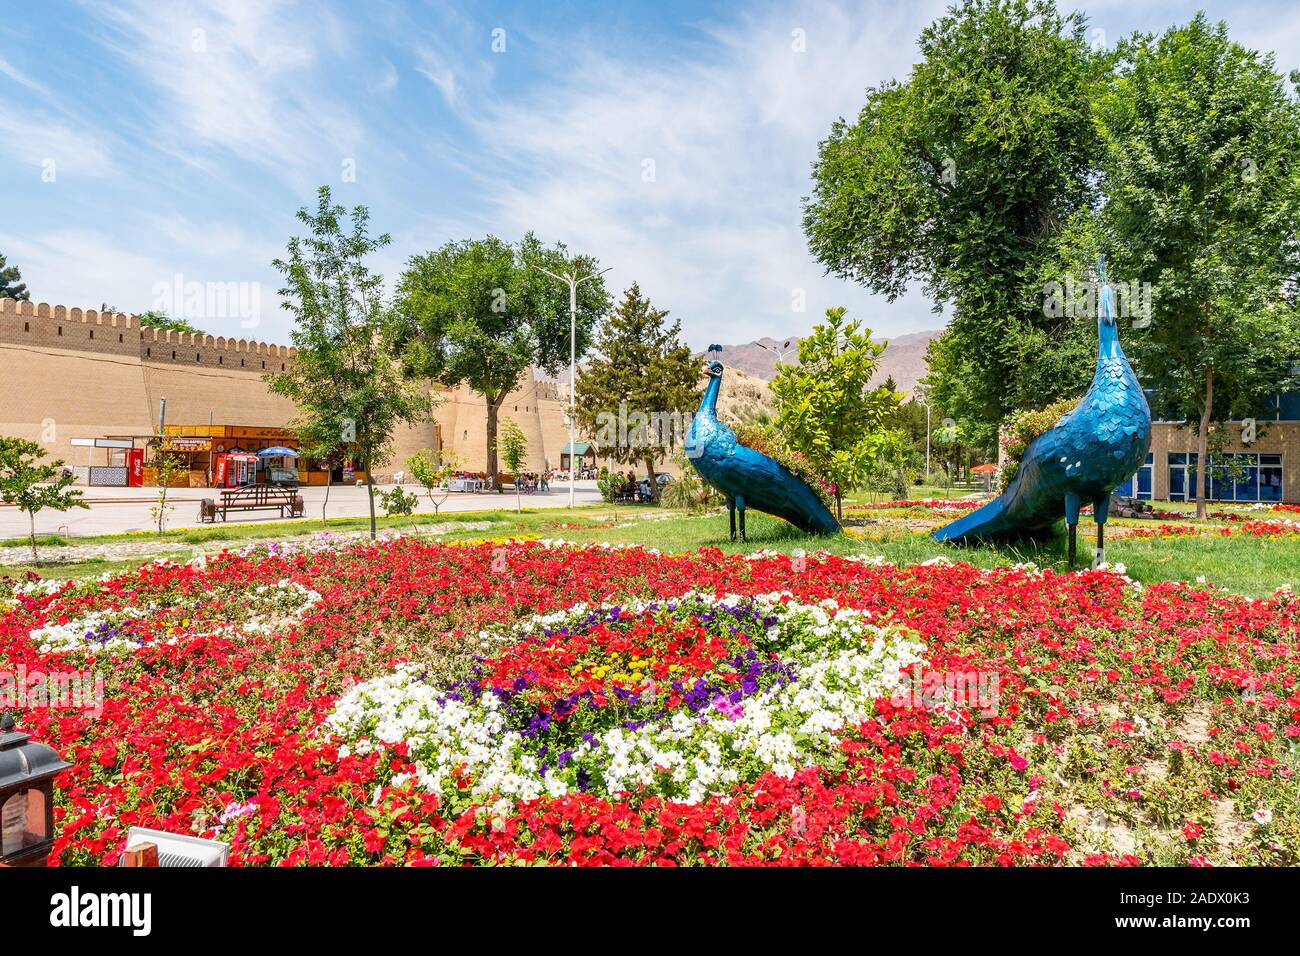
277	451
576	448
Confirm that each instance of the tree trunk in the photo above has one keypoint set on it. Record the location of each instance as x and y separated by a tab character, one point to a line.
1203	441
370	493
654	485
325	504
31	516
493	407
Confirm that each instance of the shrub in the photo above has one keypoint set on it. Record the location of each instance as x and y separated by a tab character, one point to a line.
689	492
609	483
1023	427
396	501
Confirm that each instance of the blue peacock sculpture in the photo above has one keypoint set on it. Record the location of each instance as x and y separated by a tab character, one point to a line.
746	477
1078	461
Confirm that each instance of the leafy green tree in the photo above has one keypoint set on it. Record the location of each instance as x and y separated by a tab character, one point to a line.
34	485
11	284
960	179
480	312
641	381
433	469
893	457
157	319
514	452
169	467
826	410
950	440
1202	179
349	387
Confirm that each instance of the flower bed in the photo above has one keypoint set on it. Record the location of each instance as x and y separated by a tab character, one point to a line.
430	704
1280	528
936	504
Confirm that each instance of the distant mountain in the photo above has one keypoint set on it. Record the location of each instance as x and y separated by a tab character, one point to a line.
903	358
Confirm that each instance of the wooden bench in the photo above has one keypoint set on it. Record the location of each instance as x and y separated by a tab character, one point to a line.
252	498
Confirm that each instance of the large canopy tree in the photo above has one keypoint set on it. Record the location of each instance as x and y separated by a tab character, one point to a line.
1202	182
960	179
643	380
480	312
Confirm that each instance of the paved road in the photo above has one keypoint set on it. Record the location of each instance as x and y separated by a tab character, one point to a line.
116	510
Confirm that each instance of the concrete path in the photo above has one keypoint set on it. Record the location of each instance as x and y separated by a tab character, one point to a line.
118	510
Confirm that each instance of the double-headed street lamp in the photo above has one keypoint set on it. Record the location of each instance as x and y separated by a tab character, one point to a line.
572	280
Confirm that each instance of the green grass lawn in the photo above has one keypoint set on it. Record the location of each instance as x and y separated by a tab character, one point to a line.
1242	564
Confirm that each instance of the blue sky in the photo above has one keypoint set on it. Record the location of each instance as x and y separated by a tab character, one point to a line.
145	141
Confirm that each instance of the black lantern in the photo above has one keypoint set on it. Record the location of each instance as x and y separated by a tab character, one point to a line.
27	773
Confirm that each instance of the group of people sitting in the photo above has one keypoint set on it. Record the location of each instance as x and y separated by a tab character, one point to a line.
633	490
531	482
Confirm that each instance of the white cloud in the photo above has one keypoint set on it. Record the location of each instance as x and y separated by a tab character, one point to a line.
387	81
212	241
22	79
687	174
239	76
104	271
38	140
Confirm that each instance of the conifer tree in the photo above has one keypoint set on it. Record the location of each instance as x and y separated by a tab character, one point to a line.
636	394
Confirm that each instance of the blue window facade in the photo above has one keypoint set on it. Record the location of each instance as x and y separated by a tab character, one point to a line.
1139	485
1236	476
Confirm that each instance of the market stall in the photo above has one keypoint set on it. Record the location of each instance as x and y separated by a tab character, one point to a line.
280	465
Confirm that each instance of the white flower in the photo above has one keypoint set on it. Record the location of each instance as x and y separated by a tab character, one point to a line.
842	664
1262	816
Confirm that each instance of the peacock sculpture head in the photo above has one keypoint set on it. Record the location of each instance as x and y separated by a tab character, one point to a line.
714	368
1106	314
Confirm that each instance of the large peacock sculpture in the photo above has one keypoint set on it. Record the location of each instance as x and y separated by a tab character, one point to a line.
746	477
1078	461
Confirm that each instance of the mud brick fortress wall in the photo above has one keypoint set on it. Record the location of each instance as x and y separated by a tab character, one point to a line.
70	373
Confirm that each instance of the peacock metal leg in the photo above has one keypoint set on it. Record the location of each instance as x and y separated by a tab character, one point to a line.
740	505
1100	511
1072	504
731	511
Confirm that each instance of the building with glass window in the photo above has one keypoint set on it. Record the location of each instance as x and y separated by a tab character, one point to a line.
1265	469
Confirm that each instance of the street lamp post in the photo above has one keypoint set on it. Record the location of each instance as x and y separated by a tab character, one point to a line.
925	400
572	281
